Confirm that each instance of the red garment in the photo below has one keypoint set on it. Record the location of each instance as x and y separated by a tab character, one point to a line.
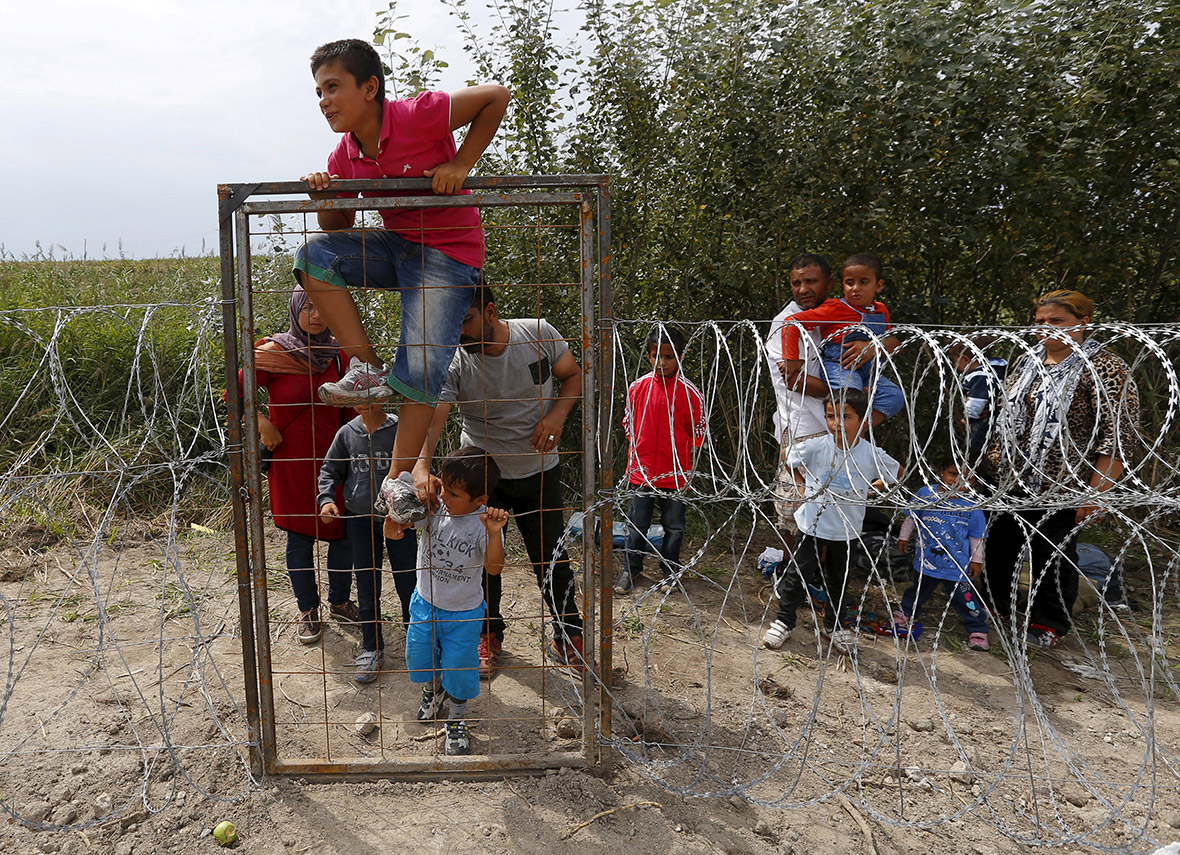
308	427
665	421
831	318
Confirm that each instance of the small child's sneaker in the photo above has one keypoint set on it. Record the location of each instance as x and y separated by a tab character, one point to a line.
901	623
458	738
776	634
401	501
432	703
842	640
361	384
978	641
368	663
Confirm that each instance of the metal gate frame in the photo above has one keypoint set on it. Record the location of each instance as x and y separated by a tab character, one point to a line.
591	194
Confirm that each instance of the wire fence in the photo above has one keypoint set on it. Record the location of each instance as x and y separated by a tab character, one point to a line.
120	617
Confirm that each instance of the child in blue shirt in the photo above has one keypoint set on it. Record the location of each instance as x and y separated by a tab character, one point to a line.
951	529
359	457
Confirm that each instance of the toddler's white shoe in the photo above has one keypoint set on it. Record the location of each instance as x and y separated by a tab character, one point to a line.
775	635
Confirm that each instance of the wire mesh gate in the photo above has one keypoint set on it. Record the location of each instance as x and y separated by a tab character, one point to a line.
535	715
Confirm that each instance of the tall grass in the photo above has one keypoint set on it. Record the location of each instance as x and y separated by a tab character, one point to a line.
111	388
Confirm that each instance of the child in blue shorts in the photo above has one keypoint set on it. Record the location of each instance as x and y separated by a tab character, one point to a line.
432	256
951	530
462	540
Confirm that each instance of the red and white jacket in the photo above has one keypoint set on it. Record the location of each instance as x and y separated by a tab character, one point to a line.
664	421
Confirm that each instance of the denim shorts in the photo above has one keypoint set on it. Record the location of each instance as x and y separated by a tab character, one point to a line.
435	291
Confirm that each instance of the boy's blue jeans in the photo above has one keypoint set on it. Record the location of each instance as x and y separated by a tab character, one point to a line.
301	570
885	396
672	514
435	295
963	598
367	541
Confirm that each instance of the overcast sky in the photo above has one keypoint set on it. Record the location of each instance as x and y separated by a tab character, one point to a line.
125	115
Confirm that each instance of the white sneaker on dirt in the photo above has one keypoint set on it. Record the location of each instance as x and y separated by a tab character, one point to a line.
368	663
361	384
842	640
775	635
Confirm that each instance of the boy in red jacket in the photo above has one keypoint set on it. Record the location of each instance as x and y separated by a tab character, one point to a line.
665	423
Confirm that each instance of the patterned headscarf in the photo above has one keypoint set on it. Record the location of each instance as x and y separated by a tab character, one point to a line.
316	351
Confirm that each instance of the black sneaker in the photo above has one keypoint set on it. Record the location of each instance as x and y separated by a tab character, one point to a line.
432	704
458	738
623	583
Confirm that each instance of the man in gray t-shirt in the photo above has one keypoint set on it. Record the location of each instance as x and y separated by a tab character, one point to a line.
515	382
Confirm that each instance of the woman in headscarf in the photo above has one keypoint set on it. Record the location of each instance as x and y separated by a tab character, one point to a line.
298	429
1061	438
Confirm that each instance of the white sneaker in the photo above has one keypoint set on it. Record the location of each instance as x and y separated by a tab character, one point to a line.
361	384
775	635
368	663
842	640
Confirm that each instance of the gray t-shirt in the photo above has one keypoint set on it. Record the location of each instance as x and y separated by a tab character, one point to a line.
450	560
501	398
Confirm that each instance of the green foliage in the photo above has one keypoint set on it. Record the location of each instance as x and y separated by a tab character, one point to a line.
989	150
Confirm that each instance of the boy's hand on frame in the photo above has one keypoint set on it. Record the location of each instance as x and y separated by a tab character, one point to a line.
447	178
317	184
494	519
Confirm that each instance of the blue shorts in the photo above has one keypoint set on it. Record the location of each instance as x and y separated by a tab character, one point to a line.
435	291
439	640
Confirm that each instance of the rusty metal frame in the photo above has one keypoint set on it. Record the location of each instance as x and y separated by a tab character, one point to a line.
591	194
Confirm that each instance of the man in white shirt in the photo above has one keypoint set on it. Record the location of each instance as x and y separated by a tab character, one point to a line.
798	416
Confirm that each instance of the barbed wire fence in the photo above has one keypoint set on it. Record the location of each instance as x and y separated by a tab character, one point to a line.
914	733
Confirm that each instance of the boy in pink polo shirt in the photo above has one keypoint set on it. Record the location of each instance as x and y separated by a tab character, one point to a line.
665	424
431	256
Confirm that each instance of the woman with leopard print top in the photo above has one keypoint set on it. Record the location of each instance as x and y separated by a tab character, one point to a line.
1070	411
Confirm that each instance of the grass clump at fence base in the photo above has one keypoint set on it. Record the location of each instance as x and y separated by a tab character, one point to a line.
111	388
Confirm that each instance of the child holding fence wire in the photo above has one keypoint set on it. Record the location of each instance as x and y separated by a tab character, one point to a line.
358	459
462	539
665	424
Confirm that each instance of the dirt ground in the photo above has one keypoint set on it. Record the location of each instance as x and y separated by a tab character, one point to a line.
123	726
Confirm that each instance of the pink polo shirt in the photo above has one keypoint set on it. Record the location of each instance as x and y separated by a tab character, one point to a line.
415	136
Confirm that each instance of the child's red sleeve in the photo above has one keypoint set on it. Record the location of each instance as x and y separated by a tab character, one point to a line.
790	340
